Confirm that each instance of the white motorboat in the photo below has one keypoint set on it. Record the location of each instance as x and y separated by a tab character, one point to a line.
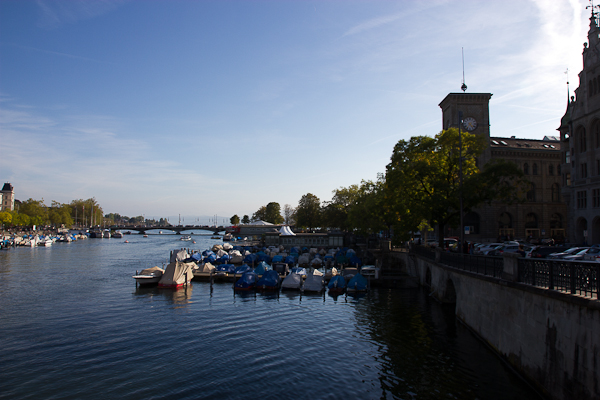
117	234
186	238
149	276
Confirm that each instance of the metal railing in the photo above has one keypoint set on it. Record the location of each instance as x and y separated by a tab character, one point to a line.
485	265
579	278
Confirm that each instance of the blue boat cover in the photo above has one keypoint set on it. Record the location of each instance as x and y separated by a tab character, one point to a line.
270	279
243	269
291	260
357	283
295	250
261	268
248	280
337	281
206	253
278	258
211	258
251	258
229	268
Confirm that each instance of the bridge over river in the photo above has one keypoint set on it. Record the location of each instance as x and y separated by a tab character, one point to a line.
177	229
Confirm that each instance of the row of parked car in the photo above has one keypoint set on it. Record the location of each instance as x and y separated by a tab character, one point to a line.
567	253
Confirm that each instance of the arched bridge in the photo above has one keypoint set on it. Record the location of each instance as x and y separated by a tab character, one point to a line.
177	229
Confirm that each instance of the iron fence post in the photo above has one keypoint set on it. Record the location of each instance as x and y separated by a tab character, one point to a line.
572	278
551	275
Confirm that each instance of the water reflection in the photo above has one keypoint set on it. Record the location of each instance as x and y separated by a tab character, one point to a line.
178	297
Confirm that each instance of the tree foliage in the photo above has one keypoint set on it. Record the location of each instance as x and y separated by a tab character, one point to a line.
269	213
235	220
308	212
289	214
424	181
245	219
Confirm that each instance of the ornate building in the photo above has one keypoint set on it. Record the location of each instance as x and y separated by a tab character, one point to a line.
7	197
580	137
543	214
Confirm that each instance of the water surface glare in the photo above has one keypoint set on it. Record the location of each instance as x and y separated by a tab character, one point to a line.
73	326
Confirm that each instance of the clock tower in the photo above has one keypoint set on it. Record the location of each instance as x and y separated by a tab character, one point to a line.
475	114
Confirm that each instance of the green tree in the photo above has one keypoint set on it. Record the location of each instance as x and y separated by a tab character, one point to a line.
424	181
335	212
20	220
60	214
308	212
260	214
87	212
36	210
235	220
245	219
273	213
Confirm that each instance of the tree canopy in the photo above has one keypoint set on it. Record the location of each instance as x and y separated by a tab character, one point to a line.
308	212
235	220
423	179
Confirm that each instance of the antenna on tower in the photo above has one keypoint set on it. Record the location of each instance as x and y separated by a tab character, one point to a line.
592	6
463	87
568	91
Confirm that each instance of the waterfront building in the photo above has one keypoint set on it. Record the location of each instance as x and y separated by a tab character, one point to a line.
543	214
7	197
580	152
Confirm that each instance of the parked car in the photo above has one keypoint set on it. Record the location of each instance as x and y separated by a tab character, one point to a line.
544	251
566	253
593	254
487	248
509	248
577	256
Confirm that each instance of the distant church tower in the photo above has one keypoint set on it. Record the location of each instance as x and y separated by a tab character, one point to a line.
8	197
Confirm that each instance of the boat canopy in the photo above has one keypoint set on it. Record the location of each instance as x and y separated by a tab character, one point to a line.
176	274
270	279
337	282
179	255
292	281
247	281
151	271
314	282
358	283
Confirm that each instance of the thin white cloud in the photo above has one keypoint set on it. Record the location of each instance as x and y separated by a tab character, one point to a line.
56	13
372	24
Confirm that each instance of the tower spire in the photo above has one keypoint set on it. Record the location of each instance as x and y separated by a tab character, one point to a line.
463	87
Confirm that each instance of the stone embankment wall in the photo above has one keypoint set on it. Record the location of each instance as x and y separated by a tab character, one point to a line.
551	338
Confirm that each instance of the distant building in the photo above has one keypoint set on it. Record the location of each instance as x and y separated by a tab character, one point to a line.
543	215
7	197
580	136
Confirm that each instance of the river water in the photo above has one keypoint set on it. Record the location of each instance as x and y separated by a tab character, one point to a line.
73	325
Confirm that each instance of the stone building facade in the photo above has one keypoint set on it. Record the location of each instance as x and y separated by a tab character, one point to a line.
580	155
543	215
7	197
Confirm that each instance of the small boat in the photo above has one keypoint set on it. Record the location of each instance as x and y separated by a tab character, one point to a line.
186	238
117	234
145	235
315	281
358	283
337	284
177	274
269	281
292	282
246	282
149	276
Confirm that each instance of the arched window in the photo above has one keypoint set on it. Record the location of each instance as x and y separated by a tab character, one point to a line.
505	221
596	133
531	192
551	169
526	169
531	221
555	192
534	169
556	221
582	139
558	169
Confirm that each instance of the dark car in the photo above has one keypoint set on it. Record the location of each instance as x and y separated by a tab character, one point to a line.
566	253
545	251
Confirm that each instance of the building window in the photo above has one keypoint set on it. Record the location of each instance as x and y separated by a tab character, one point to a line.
582	140
531	193
596	198
568	179
551	170
596	133
556	192
567	157
534	169
582	199
584	170
558	169
526	169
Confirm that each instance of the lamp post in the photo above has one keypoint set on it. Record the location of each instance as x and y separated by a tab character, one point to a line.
460	181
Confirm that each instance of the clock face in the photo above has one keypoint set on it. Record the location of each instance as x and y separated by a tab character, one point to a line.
469	123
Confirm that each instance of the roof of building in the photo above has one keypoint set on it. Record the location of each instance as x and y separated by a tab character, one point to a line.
7	187
549	143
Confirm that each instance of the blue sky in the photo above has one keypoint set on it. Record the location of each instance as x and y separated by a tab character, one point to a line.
205	108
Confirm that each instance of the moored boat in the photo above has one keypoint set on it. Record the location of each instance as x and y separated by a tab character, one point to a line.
149	276
176	275
358	283
337	284
246	282
269	281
